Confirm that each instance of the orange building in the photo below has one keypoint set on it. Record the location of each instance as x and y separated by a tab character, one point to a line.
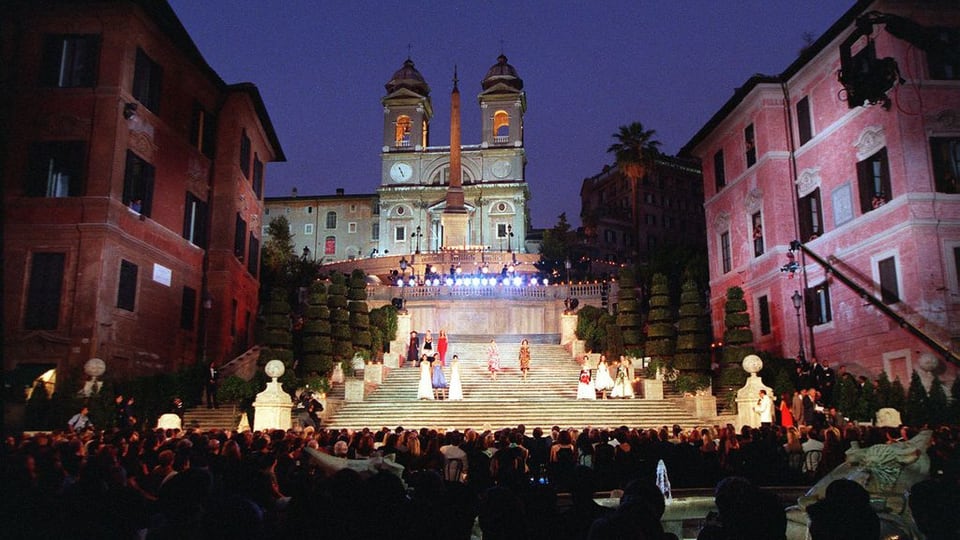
133	178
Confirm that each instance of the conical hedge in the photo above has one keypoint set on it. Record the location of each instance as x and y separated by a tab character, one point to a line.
629	318
359	311
339	318
693	341
317	345
661	334
737	339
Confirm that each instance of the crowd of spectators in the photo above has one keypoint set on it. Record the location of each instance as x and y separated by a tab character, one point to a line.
224	484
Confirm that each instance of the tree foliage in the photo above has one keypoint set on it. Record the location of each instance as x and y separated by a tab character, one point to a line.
629	317
634	150
359	311
915	412
556	249
661	333
693	341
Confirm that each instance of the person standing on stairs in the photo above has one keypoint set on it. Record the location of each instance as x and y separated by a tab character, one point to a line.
623	384
585	387
604	381
438	379
413	348
456	387
524	358
442	347
428	345
493	359
425	387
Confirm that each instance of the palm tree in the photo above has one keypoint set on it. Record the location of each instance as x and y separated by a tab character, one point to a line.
634	152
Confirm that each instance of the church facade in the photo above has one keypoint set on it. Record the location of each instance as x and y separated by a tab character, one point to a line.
416	177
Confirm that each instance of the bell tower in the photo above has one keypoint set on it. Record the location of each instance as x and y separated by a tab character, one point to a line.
502	104
406	111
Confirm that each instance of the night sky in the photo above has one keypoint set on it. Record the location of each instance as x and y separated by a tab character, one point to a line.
588	67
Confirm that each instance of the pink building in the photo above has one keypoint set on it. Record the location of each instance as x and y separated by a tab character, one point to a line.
870	188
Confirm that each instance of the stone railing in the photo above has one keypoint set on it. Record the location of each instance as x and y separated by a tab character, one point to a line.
584	291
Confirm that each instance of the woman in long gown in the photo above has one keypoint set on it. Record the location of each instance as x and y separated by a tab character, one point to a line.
425	389
456	387
622	385
604	382
493	359
439	380
442	347
585	388
413	349
524	358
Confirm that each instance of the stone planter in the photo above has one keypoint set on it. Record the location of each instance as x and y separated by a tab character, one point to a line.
652	389
703	406
373	374
391	360
353	390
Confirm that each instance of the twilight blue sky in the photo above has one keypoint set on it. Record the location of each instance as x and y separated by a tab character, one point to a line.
588	67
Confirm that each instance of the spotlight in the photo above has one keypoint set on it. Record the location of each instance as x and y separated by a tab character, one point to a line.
533	281
413	282
449	282
546	282
517	281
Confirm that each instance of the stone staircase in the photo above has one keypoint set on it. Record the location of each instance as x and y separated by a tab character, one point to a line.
546	398
225	417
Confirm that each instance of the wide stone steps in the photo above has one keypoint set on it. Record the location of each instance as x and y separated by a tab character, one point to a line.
226	417
546	398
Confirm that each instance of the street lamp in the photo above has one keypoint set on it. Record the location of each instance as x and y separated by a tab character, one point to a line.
509	238
417	234
567	265
797	304
207	307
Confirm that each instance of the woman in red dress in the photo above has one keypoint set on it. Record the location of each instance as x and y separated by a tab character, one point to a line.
786	417
442	347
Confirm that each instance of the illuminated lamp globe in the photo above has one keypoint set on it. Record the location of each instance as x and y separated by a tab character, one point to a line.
274	369
752	364
95	367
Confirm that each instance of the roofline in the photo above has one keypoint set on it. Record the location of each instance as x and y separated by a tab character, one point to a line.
316	197
251	90
806	55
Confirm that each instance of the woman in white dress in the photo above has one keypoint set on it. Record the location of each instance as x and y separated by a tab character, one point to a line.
604	382
585	388
425	389
623	385
456	387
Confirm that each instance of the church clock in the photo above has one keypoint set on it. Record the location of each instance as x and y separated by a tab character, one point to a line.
401	172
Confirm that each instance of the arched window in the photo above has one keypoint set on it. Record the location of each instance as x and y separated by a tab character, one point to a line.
403	127
331	220
501	126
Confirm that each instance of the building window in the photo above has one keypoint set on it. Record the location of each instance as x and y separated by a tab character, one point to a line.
203	131
245	154
719	175
330	245
44	291
138	184
651	242
725	256
818	305
351	227
70	60
501	230
56	169
234	308
501	127
873	178
331	220
375	208
400	234
195	221
956	264
253	256
946	163
353	208
240	237
127	286
811	216
375	231
308	229
146	82
756	221
943	61
403	127
750	144
889	289
763	309
257	176
804	122
188	308
650	219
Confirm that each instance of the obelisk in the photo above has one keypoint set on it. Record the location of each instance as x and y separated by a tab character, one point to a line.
455	216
